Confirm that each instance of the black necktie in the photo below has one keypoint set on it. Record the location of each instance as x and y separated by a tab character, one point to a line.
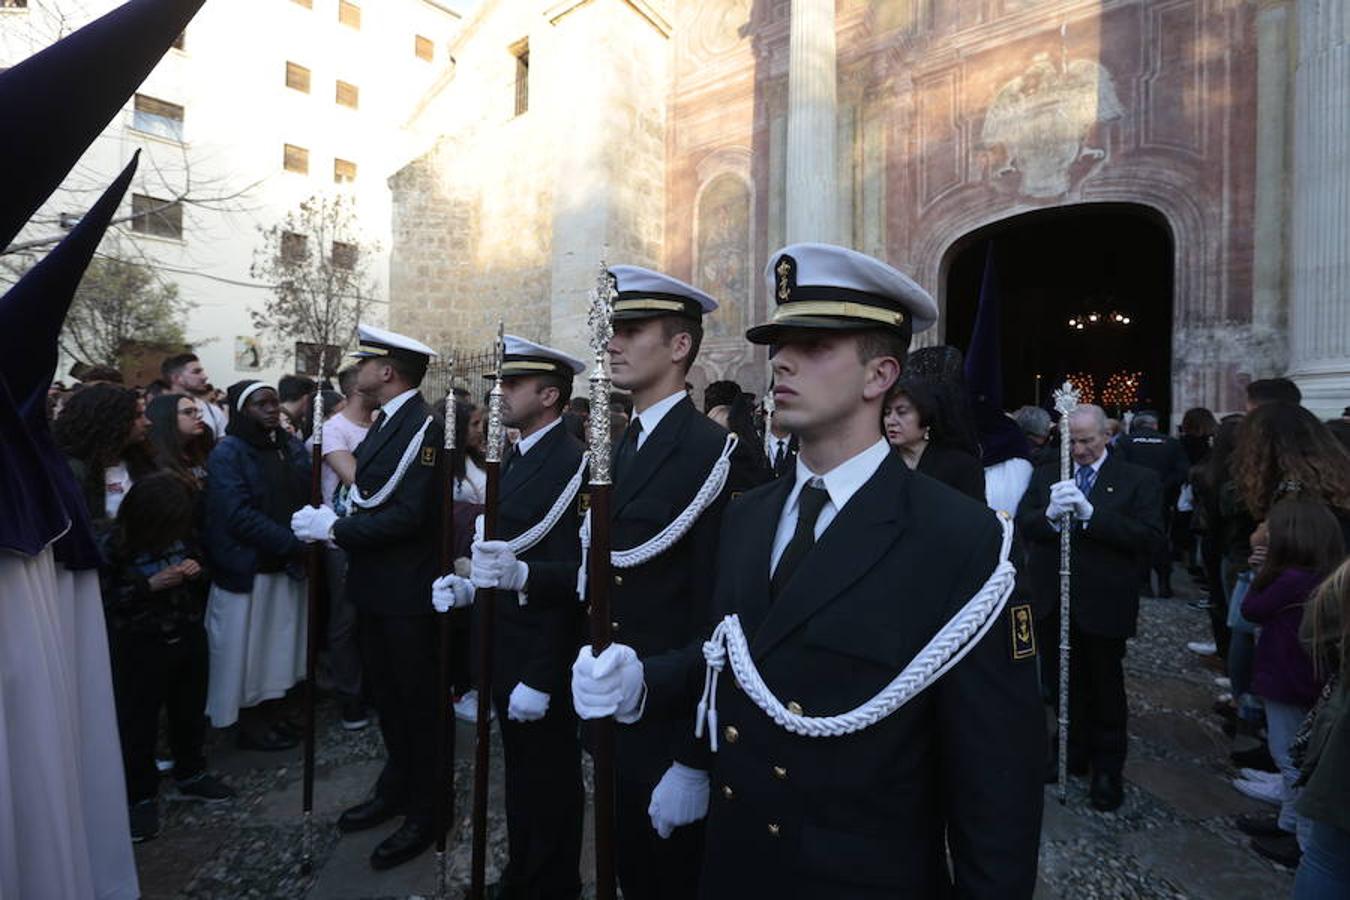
628	447
810	502
512	454
379	420
778	454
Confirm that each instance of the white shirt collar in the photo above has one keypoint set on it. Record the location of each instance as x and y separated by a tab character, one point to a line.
845	479
524	444
652	415
393	405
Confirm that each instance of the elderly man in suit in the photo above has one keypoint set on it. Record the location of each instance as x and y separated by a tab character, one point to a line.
1117	524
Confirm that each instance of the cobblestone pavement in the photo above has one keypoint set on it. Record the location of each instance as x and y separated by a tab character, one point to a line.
1173	838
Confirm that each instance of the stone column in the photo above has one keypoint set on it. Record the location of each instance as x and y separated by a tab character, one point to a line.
812	162
1274	115
1319	315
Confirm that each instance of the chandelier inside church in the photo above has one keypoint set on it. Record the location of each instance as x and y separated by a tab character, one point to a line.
1094	318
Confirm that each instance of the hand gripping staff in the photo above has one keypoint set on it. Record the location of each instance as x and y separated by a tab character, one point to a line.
486	602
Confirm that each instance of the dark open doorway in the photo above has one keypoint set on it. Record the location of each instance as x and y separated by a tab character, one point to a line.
1084	291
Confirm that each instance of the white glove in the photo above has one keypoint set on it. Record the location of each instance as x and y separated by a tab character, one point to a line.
608	685
495	566
1068	496
1054	510
451	592
526	704
313	523
679	798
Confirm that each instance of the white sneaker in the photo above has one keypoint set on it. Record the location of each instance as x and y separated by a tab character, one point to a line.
1259	775
466	708
1265	791
1204	648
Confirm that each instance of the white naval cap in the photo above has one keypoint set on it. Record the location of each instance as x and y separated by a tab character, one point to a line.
522	357
372	342
643	294
829	287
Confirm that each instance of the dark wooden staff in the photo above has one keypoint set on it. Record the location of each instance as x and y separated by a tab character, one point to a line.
598	572
443	807
485	603
314	572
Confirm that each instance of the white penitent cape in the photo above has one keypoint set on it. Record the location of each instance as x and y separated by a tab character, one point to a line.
63	817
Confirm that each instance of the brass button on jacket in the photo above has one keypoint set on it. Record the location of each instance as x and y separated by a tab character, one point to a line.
731	734
794	707
773	829
618	579
727	791
780	773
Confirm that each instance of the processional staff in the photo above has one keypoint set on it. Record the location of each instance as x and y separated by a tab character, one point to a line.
601	327
1066	400
445	774
486	602
313	571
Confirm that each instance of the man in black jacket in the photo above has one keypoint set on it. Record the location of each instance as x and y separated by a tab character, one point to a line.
838	575
538	624
662	606
392	538
1146	446
1117	524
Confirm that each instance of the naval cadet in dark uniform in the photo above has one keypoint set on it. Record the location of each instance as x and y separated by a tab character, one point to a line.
838	576
539	624
392	541
661	461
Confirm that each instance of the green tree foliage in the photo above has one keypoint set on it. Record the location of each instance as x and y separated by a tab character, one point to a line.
121	303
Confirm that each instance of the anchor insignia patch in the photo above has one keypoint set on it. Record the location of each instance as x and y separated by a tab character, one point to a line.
1023	634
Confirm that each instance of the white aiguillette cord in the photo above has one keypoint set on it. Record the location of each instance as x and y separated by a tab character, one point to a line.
671	534
948	647
409	454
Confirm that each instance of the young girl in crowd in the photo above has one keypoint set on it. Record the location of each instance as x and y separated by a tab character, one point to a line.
1304	544
180	438
102	432
154	594
256	478
1324	747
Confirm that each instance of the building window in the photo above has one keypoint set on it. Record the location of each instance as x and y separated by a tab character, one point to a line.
297	77
307	4
179	42
158	118
344	256
296	159
348	95
522	54
13	4
344	171
424	48
294	247
349	14
152	215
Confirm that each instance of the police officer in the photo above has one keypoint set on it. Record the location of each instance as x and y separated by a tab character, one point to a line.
538	623
661	606
843	572
392	538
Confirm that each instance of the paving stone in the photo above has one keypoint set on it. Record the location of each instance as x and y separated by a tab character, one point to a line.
1173	692
1060	822
1180	734
159	863
1190	790
1205	866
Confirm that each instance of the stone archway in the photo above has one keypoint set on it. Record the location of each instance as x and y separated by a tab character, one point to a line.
1084	290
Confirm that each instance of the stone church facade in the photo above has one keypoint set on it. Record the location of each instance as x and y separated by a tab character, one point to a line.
659	134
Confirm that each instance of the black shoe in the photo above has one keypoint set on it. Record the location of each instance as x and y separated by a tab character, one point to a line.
267	740
1257	757
1281	848
1200	603
409	842
204	787
144	820
291	728
354	716
1260	825
1107	791
376	810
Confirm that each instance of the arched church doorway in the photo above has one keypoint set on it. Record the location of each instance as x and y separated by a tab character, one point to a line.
1084	292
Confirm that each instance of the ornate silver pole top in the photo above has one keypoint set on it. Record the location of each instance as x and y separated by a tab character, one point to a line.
600	323
1066	399
317	429
496	431
449	406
